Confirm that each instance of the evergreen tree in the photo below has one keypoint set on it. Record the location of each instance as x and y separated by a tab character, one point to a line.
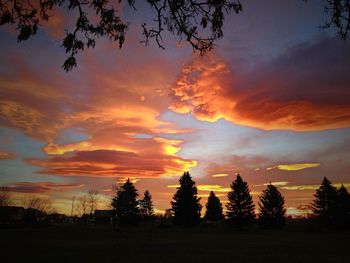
343	214
125	204
271	207
186	207
146	206
213	208
240	206
325	204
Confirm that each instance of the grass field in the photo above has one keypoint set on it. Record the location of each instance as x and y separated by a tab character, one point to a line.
153	244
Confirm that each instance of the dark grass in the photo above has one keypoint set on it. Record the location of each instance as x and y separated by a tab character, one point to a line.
154	244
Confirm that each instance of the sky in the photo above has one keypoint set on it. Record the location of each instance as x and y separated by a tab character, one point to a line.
271	102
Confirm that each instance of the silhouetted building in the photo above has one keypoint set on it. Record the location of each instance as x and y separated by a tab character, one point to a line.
58	218
11	214
33	216
103	216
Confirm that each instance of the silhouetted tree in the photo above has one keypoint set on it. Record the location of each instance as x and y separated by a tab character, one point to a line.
146	206
339	13
199	23
240	206
92	200
5	198
126	205
343	214
324	205
213	208
37	203
83	205
186	207
271	207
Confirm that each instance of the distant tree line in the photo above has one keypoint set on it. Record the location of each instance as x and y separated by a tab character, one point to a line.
331	206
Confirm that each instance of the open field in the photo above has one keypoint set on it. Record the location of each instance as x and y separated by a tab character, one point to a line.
102	244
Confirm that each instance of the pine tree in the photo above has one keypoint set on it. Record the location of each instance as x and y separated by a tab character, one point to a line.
186	207
240	206
343	213
126	205
146	206
325	204
271	207
213	208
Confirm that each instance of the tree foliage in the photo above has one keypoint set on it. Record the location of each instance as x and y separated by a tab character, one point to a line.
146	206
92	200
240	206
271	207
5	198
42	204
126	205
343	206
324	205
185	205
197	22
213	208
200	23
339	16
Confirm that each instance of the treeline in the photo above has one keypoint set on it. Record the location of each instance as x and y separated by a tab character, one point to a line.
330	207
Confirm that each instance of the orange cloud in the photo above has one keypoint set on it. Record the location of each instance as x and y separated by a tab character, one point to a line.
311	187
6	155
220	175
209	90
41	187
112	163
113	107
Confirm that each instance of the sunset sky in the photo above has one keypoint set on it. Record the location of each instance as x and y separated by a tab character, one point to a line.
272	102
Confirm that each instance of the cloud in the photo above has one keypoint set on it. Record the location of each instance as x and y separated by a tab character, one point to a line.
296	91
220	175
293	167
207	188
311	187
41	187
300	211
111	105
6	155
234	163
297	166
277	183
113	163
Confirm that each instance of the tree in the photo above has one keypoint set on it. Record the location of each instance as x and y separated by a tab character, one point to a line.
199	23
271	207
343	214
324	205
213	208
92	200
186	207
83	204
5	198
126	205
339	13
42	204
146	206
240	206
